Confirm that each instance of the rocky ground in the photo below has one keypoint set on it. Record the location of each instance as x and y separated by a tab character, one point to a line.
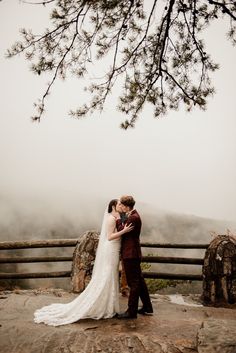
174	328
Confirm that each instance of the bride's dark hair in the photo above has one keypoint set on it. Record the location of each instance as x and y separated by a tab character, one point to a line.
112	203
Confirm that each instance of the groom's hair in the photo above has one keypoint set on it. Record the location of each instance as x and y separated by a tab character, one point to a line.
127	201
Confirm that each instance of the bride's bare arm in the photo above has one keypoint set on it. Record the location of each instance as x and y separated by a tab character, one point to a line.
111	226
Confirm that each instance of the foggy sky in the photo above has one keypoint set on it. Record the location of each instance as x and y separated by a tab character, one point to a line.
184	163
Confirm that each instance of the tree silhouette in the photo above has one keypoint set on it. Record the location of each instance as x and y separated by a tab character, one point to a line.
153	47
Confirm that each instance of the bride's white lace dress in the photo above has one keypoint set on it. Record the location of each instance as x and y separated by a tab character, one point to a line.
100	299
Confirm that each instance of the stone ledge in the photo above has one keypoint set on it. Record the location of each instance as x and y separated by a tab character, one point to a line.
172	329
217	336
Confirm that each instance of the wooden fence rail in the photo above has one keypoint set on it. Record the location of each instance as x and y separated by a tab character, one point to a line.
29	244
51	243
151	259
60	274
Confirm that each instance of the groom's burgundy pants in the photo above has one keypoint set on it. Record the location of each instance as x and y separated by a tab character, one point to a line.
137	285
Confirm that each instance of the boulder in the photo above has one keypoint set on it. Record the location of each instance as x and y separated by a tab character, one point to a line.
219	272
83	260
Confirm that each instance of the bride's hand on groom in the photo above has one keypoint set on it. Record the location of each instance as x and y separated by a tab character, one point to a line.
128	228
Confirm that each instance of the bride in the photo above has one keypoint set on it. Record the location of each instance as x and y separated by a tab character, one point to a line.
100	299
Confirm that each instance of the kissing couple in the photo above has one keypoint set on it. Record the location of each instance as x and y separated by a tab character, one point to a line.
119	237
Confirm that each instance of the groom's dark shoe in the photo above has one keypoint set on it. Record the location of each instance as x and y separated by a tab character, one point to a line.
126	315
144	311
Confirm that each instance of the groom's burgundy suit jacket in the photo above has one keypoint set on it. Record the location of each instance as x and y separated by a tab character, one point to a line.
130	243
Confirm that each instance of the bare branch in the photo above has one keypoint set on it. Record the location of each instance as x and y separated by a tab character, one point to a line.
45	2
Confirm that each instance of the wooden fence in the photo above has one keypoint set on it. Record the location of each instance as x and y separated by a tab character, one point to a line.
15	245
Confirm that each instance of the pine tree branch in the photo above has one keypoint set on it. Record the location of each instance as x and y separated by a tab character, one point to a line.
42	104
224	8
162	62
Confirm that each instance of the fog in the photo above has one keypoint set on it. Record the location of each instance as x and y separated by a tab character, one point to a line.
58	176
35	220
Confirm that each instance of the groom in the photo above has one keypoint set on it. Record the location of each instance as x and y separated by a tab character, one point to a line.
131	257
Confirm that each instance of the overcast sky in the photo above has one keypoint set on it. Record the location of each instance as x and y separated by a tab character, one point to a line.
183	163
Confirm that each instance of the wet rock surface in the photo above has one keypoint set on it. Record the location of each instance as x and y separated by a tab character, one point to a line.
172	329
216	336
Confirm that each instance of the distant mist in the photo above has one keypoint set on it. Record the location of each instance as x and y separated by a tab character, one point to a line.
35	219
